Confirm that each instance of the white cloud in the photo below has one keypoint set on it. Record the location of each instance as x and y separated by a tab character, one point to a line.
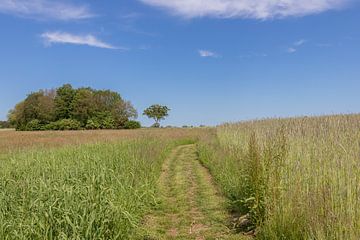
296	45
256	9
207	53
67	38
291	50
45	9
300	42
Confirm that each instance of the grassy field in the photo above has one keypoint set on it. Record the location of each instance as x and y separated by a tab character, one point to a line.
296	178
13	141
93	191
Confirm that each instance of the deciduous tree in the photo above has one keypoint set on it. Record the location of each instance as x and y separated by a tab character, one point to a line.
157	112
63	101
68	108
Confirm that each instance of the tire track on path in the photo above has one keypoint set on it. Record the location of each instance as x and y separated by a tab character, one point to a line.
191	207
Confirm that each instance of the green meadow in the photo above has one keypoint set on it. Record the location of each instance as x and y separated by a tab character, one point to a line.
295	178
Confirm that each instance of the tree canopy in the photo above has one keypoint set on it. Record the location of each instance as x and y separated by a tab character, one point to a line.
157	112
67	108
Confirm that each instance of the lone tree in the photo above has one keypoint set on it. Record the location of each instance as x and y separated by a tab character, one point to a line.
157	112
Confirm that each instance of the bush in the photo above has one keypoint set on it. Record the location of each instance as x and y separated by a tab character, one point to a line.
107	122
34	125
132	125
20	127
52	126
102	121
64	124
92	124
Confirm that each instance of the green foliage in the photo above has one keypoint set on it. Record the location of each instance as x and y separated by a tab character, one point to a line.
92	124
103	120
63	101
106	120
37	106
92	109
34	125
108	103
108	123
132	125
157	112
82	105
64	124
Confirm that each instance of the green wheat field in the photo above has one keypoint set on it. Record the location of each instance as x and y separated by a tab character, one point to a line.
294	178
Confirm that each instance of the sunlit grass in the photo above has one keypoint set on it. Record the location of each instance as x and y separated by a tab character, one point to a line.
97	191
12	141
298	178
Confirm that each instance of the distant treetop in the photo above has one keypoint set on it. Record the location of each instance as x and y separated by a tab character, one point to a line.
67	108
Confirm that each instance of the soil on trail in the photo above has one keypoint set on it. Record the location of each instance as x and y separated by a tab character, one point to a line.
191	207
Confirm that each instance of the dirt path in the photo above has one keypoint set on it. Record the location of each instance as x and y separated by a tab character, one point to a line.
191	207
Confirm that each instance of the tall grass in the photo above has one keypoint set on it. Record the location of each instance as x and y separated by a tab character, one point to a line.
12	141
297	178
98	191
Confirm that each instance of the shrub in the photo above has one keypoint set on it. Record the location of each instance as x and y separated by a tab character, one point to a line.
132	125
51	126
102	121
34	125
92	124
64	124
107	122
69	124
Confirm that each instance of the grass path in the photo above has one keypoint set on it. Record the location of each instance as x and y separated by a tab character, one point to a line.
191	207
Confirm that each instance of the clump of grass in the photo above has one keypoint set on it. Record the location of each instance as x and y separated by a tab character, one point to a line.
98	191
297	178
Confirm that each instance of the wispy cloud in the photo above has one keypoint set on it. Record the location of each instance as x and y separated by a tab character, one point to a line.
45	9
291	50
207	53
256	9
300	42
68	38
296	45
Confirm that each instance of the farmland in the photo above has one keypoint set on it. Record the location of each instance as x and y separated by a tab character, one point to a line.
92	191
12	141
294	178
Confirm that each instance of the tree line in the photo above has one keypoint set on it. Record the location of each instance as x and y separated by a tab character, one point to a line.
68	108
5	124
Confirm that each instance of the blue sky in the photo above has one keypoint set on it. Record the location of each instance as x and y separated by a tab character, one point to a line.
210	61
